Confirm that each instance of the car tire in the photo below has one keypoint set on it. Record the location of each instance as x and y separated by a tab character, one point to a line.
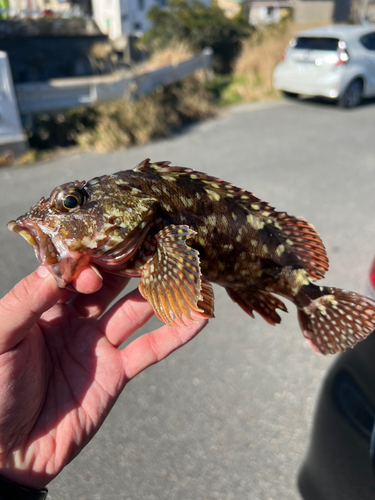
289	95
352	96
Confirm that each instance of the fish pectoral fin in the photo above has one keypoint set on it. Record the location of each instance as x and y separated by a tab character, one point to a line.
264	303
207	302
171	281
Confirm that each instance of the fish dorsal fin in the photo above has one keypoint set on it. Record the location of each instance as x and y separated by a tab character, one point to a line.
147	166
301	239
166	170
294	234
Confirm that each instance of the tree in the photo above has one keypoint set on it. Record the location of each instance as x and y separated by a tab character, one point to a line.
199	26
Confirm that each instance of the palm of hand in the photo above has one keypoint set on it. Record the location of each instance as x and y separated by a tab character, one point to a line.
67	378
60	381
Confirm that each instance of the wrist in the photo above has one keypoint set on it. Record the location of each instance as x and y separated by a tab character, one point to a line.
13	491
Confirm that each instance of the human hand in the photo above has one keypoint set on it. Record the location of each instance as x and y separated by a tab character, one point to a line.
61	370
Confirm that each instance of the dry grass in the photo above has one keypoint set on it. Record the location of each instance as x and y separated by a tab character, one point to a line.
121	124
32	156
171	55
252	75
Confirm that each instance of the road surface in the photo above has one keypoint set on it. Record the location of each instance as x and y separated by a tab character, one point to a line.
228	416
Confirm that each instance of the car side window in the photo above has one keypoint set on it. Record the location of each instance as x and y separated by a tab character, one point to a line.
368	41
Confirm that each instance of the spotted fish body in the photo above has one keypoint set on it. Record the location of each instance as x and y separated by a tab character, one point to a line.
178	230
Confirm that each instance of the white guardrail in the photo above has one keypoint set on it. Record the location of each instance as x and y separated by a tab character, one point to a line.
64	93
12	138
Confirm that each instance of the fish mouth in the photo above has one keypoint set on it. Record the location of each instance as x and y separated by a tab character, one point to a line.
15	228
61	263
42	244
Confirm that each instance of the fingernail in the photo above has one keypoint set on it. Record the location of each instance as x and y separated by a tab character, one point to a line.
42	272
96	271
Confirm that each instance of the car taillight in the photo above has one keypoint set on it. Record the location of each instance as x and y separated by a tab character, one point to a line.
343	58
372	276
342	53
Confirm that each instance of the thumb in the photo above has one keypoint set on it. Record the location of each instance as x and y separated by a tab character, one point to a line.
21	308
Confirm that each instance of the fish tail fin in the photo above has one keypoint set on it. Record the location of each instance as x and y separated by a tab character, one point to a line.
332	319
264	303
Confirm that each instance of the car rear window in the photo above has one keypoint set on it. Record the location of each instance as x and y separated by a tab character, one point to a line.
368	41
315	43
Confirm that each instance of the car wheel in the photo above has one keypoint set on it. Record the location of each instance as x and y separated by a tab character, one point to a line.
289	95
352	95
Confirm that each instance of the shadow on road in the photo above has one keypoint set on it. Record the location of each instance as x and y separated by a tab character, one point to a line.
328	103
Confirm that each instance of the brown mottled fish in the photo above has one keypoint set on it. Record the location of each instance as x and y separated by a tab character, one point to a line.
178	230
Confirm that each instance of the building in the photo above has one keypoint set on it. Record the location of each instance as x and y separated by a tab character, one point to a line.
114	17
125	17
107	14
134	15
34	6
268	11
327	11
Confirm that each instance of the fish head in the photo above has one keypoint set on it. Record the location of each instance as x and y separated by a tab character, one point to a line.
100	221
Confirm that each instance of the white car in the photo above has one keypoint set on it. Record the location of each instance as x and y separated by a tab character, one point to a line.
337	62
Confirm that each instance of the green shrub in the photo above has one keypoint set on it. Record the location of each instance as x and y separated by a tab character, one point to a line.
199	26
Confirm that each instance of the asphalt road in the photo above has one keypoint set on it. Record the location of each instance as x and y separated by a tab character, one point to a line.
227	417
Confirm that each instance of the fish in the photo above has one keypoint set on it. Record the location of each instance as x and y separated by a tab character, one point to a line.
179	230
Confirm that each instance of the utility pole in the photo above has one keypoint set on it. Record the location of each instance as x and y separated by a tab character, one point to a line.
246	10
364	11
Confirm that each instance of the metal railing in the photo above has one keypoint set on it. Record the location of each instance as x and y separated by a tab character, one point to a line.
64	93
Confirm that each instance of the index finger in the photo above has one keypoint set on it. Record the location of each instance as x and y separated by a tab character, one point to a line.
93	305
22	307
154	346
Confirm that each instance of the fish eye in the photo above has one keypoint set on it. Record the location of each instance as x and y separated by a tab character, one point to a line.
69	199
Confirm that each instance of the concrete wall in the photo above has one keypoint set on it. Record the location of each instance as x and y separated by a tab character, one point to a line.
40	58
315	10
